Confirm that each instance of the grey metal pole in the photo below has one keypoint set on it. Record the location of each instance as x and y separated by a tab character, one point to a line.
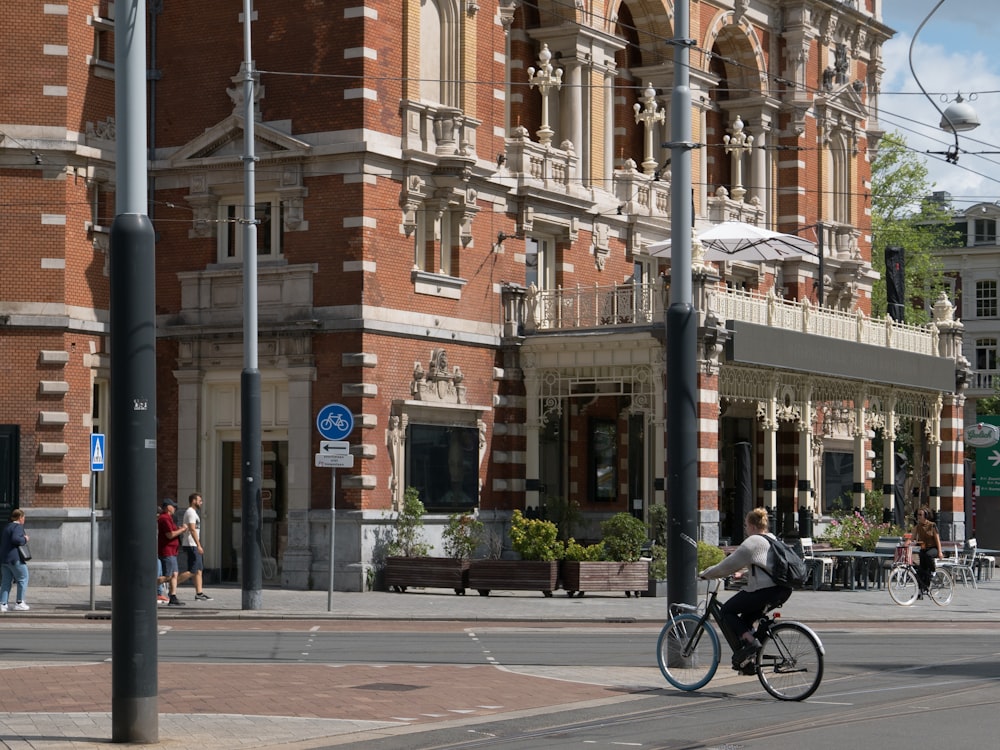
250	433
93	534
134	713
333	537
681	325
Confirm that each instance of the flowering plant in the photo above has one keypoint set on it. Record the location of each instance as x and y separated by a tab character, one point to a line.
853	530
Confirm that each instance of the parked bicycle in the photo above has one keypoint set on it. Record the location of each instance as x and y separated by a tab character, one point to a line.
789	664
904	584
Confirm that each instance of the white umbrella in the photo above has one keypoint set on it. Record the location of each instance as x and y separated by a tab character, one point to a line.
737	240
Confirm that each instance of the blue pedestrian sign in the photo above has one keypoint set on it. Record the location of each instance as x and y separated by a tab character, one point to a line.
334	422
97	451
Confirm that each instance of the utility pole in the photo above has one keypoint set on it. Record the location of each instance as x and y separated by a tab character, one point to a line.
132	268
682	330
250	377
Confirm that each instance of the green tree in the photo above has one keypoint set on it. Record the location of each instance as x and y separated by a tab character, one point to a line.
904	215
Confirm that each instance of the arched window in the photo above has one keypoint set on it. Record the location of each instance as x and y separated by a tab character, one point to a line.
439	52
840	183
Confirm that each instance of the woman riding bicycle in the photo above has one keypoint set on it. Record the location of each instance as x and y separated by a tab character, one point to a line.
742	609
925	532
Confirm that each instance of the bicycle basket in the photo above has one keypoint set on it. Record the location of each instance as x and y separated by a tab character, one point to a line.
904	554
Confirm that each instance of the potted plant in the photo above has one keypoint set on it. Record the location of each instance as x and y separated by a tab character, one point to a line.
616	565
656	551
409	563
537	543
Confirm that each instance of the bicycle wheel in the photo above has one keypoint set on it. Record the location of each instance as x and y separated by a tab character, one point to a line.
903	586
790	664
942	587
688	655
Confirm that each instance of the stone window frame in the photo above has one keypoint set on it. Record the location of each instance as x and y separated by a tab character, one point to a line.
448	46
986	298
226	221
102	60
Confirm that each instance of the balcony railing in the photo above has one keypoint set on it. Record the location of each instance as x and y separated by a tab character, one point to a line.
623	306
984	380
803	316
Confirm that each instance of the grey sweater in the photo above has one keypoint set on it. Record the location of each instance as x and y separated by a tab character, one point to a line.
752	554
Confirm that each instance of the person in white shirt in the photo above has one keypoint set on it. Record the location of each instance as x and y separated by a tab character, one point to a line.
192	560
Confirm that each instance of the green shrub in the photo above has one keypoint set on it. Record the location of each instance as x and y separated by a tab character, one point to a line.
462	535
658	562
658	524
623	537
408	530
534	538
578	553
708	555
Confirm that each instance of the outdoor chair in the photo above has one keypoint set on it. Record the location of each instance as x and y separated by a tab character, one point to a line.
961	566
825	566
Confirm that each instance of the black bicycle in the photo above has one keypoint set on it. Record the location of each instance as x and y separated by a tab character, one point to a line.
789	664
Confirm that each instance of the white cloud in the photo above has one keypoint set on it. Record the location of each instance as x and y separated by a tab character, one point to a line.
951	56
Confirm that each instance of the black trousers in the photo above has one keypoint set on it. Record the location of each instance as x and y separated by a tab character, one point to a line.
744	607
927	566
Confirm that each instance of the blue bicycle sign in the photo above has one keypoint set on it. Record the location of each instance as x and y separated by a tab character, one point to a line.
334	422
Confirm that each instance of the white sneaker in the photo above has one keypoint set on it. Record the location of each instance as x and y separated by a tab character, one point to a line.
21	607
3	607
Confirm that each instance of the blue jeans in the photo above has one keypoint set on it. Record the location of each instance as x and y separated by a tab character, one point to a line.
14	572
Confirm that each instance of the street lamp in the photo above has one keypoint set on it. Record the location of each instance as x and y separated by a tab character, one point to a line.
959	116
546	79
738	144
649	115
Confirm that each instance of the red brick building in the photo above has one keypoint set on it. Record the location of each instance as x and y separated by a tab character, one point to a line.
456	203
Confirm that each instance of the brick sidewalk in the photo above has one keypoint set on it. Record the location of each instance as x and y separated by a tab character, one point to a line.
205	705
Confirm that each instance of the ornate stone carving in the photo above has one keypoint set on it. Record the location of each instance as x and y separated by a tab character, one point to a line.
437	384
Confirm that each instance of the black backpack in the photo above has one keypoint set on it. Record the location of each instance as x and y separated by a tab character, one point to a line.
787	568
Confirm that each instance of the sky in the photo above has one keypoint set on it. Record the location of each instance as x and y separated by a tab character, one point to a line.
952	55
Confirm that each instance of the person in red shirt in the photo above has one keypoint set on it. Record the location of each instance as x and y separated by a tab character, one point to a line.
167	544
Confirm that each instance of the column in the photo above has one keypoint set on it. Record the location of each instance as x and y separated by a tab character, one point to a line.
770	485
860	436
609	126
757	180
571	111
805	456
532	496
952	467
297	557
889	459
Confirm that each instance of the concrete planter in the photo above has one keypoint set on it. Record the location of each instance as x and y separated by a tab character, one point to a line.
656	587
581	576
513	575
426	572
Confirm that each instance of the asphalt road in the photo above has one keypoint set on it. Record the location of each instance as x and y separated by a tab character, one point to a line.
910	686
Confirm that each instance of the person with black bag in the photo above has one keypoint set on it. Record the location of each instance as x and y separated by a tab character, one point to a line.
743	608
14	556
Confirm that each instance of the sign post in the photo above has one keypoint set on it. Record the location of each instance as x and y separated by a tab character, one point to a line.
334	423
985	438
97	453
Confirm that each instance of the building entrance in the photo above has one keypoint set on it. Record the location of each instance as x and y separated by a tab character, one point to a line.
274	512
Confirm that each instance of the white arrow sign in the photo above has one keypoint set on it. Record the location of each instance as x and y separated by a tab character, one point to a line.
336	461
334	447
994	458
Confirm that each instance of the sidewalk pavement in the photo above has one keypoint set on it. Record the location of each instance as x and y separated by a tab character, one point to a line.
298	706
860	605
